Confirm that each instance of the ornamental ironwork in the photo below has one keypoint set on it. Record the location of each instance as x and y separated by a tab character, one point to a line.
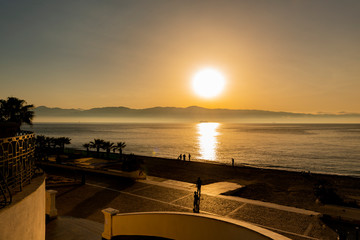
16	164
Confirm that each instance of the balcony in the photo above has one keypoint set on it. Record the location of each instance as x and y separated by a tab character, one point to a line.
16	164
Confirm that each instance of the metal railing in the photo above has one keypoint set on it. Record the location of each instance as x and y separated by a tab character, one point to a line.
16	164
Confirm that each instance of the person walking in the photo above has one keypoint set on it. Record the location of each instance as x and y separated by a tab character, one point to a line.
198	186
189	157
196	208
184	157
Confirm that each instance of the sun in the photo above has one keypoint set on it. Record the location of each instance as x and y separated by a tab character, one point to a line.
208	82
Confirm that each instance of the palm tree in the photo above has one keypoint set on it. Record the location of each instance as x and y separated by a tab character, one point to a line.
56	142
120	146
107	146
49	141
40	141
87	146
62	141
97	143
40	150
15	110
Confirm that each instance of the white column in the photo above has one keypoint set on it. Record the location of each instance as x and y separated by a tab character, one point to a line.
50	203
108	215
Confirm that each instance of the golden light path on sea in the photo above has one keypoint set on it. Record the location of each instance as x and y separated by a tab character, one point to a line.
208	140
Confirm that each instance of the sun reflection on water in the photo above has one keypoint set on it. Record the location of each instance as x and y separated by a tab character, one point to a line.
208	140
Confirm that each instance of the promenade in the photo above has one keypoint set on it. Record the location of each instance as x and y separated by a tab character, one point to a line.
79	206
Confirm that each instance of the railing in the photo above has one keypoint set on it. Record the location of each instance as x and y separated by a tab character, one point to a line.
16	164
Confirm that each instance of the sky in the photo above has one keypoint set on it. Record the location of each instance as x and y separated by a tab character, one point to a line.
290	55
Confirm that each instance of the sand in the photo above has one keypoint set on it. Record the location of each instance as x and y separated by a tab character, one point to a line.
296	189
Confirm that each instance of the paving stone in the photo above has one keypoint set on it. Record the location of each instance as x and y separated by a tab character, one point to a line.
321	231
87	201
73	228
162	193
126	204
211	204
274	218
131	188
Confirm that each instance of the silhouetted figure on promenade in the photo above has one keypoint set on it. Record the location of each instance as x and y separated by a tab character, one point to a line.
232	162
196	208
198	186
184	157
179	157
189	157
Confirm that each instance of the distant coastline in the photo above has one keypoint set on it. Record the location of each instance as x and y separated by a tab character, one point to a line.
189	114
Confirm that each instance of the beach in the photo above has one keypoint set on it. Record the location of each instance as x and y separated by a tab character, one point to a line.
297	189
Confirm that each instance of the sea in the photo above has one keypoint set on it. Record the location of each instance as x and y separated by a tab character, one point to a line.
320	148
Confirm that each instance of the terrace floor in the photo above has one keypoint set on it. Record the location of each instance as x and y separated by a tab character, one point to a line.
79	207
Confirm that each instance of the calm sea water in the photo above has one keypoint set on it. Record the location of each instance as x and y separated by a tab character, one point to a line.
325	148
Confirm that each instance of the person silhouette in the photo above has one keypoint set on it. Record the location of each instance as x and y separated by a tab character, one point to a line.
189	157
196	208
184	157
232	161
198	186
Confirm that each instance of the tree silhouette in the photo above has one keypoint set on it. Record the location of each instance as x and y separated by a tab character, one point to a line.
97	143
120	146
87	146
40	141
49	141
48	145
61	141
40	150
15	110
107	146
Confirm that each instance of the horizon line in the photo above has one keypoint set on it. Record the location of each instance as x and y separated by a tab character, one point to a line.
218	108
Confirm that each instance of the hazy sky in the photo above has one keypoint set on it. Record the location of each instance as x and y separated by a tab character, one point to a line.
300	56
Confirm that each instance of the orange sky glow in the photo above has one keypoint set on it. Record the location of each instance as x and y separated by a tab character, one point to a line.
298	56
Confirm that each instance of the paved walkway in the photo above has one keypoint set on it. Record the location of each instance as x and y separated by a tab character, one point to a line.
70	228
156	194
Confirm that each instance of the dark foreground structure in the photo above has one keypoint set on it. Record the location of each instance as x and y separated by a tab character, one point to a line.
164	195
22	189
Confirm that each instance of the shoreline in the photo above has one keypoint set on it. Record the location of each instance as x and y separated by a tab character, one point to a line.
245	165
214	162
290	188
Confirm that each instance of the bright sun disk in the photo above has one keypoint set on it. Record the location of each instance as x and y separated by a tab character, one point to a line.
208	83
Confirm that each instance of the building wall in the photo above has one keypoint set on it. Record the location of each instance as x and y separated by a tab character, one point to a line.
25	219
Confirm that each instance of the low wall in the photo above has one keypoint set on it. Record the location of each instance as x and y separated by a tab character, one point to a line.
25	217
182	226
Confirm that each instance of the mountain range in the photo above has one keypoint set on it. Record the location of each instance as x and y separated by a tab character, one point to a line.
193	113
